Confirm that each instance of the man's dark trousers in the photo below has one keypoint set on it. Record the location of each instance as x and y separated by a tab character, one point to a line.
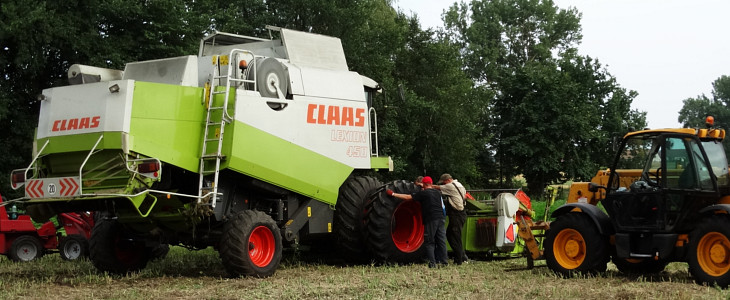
453	234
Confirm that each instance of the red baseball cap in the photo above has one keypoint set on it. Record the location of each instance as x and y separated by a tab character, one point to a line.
427	180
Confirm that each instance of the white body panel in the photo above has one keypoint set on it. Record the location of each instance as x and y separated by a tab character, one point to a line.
86	108
306	122
344	85
177	70
507	205
314	50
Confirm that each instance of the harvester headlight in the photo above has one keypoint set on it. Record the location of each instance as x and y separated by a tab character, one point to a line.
114	88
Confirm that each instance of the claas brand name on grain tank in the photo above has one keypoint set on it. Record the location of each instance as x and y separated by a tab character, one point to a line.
76	123
335	115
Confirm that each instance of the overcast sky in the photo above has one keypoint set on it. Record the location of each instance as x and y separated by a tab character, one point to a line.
666	50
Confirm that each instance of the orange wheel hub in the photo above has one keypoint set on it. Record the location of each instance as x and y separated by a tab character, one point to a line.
569	249
713	254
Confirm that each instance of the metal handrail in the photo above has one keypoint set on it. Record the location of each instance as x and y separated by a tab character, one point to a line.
91	152
373	131
37	155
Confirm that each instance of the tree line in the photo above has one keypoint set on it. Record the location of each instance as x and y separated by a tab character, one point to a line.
500	90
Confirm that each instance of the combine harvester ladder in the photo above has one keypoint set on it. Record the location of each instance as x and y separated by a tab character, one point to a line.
210	162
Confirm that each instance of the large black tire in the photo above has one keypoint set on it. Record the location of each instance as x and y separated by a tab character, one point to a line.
395	227
349	218
251	245
112	249
26	248
639	266
574	245
709	251
73	247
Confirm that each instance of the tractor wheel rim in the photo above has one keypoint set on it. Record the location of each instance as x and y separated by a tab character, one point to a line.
407	226
27	252
261	246
569	248
72	250
713	254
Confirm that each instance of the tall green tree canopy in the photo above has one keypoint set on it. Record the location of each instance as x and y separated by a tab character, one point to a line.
553	111
695	110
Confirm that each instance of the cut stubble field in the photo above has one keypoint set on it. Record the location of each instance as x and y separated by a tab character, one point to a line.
199	274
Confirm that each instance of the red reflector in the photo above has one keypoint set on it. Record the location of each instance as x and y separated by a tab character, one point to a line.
148	167
18	177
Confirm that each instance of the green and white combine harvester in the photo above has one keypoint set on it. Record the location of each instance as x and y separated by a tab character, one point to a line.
251	146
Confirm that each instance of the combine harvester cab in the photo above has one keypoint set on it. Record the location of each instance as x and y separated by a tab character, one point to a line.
250	146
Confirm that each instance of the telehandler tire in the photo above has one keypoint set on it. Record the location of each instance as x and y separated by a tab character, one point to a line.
709	252
251	245
395	227
73	247
113	249
574	245
26	248
348	225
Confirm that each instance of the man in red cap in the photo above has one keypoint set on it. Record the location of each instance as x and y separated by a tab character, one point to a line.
433	211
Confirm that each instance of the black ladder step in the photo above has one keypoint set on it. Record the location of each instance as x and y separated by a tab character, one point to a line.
215	123
212	155
212	140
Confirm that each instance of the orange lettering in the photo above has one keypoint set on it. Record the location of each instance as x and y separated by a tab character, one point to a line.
310	113
360	115
347	116
84	123
73	124
333	113
95	122
320	115
55	125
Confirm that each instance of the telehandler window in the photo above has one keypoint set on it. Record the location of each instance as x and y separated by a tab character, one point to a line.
703	170
686	167
718	161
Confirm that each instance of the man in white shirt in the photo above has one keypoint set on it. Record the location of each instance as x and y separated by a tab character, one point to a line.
454	193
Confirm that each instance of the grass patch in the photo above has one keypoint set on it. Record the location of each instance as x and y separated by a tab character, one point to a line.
192	275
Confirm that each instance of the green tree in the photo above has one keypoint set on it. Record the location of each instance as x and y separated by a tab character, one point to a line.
695	110
553	111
